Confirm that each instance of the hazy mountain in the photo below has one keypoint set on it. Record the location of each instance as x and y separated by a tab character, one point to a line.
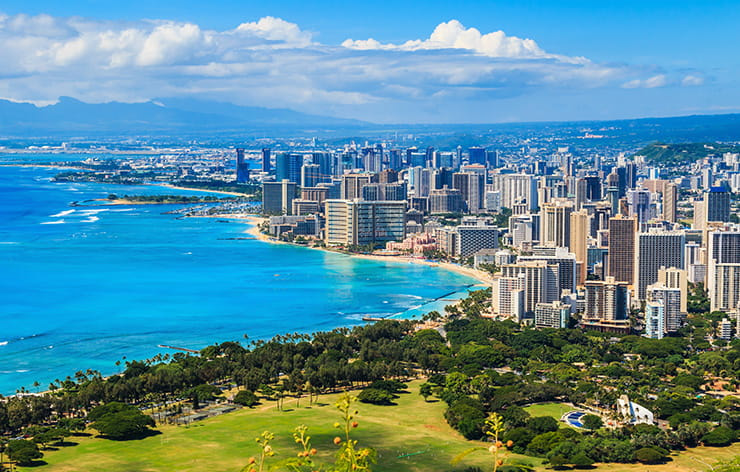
164	116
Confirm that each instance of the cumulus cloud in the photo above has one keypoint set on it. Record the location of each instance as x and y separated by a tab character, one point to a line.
453	35
273	62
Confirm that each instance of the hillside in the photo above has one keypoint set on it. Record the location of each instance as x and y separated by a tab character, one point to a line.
673	155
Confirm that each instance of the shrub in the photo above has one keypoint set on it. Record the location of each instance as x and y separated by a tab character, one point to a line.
375	396
722	436
650	455
592	422
246	398
390	386
116	420
23	451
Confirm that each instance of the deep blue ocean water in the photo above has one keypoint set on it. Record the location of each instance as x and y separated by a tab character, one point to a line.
83	287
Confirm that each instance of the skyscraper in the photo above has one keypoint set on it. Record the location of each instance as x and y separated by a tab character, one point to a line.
352	185
621	258
476	155
277	197
242	167
266	165
578	245
540	282
471	186
289	167
723	269
670	200
656	250
606	300
718	204
309	175
654	319
445	200
350	222
555	223
671	301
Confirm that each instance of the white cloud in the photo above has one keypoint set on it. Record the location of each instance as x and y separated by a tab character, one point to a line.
272	62
453	35
655	81
692	81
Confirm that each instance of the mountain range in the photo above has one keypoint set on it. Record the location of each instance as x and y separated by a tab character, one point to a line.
160	116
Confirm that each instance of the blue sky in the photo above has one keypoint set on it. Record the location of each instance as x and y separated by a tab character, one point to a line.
432	61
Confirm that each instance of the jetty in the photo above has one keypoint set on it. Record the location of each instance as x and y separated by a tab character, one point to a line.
184	349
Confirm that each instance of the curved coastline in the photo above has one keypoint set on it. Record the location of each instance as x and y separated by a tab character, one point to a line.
255	221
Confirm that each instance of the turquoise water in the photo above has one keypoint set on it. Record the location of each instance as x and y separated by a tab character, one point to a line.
82	287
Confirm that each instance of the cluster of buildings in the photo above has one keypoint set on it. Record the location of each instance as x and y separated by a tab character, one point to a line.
588	241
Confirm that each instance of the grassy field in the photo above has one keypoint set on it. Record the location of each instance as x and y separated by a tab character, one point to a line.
412	436
556	410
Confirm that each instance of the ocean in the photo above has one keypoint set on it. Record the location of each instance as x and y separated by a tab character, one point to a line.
83	287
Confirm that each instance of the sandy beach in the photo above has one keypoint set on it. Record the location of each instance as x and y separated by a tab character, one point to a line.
481	276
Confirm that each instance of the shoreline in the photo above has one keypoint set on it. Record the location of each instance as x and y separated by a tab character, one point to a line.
255	221
191	189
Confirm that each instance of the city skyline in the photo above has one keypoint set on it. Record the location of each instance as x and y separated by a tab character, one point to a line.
470	63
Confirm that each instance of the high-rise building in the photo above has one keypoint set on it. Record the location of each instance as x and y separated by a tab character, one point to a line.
676	278
606	300
523	229
578	245
670	201
394	192
472	238
266	166
507	297
655	250
354	222
654	320
352	185
471	186
477	155
492	159
639	203
718	204
670	298
288	167
421	181
551	315
242	167
558	257
277	197
445	200
516	188
540	282
621	258
723	270
555	223
593	188
310	175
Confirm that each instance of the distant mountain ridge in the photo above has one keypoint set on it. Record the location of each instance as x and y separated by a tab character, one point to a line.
681	154
166	115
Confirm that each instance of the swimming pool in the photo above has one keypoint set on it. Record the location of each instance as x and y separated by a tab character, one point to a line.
574	418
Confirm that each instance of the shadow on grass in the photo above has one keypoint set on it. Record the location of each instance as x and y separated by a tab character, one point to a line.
146	434
65	444
35	463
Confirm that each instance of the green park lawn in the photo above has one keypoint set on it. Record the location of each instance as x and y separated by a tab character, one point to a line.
556	410
413	427
411	436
